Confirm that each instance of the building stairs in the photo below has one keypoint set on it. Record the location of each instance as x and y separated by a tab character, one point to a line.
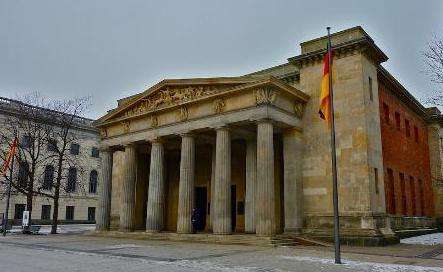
287	240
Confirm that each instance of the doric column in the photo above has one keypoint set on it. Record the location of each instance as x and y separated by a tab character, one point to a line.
265	201
251	179
186	185
128	189
104	211
222	186
292	152
211	207
156	189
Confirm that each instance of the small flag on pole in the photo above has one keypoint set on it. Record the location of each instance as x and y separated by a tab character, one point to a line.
11	153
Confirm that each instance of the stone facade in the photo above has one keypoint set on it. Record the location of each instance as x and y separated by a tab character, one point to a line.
435	140
255	151
83	202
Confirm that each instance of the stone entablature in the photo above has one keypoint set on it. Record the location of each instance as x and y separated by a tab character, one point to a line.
175	101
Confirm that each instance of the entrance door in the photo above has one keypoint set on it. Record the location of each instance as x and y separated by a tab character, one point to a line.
200	203
91	213
233	207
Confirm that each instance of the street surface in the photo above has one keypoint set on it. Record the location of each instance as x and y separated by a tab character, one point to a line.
77	252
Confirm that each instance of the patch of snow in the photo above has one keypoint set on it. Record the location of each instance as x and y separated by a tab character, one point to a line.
366	266
123	246
61	229
428	239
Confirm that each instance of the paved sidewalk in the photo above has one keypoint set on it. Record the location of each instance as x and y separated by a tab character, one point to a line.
61	229
85	253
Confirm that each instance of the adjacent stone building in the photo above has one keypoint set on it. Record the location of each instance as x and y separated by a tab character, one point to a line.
252	154
76	206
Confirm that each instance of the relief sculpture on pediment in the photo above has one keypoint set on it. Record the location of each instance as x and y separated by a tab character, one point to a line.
298	109
170	96
265	95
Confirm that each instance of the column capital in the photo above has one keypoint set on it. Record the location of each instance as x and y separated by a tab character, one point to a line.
186	134
265	120
156	141
130	144
105	148
222	127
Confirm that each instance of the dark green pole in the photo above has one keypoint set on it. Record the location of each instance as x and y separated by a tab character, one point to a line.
334	159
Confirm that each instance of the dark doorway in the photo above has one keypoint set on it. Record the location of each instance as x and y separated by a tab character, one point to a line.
19	209
91	213
233	207
200	203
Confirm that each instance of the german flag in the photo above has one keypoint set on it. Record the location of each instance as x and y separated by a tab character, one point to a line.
325	103
11	153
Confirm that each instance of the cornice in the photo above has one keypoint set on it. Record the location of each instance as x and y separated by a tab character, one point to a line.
364	45
429	115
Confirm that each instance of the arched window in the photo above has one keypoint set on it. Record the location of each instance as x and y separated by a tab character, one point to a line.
93	182
72	180
48	177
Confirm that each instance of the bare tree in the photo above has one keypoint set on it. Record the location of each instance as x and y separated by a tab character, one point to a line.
434	66
65	137
26	121
48	135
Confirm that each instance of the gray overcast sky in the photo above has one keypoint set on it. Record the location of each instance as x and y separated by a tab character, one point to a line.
112	49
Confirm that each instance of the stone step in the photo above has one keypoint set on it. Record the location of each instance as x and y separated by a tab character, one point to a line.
234	239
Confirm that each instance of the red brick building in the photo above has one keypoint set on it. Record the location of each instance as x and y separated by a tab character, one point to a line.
405	148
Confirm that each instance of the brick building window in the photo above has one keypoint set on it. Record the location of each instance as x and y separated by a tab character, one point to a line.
46	212
416	134
69	212
412	193
403	193
75	149
371	93
52	145
95	153
72	180
18	211
422	197
390	192
376	180
408	128
48	177
23	174
91	213
93	182
397	120
27	141
386	112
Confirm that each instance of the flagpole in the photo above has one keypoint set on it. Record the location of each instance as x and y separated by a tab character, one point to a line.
8	197
334	159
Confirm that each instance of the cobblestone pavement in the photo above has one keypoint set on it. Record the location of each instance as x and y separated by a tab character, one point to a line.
85	253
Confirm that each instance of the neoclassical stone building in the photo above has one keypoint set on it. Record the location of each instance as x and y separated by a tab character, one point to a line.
251	153
77	206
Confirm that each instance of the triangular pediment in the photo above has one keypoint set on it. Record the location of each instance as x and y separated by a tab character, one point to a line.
174	92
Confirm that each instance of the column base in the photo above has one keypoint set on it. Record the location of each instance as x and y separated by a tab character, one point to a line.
358	229
292	231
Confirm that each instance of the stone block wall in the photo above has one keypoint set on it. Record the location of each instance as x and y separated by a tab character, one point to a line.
358	147
435	136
